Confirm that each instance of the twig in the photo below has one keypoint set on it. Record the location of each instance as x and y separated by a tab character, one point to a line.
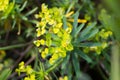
38	3
19	59
22	55
30	60
21	76
103	68
101	73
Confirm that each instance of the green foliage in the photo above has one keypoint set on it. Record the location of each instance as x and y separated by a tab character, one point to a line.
110	19
5	74
54	39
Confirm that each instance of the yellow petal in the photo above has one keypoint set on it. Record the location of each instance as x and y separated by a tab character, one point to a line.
69	14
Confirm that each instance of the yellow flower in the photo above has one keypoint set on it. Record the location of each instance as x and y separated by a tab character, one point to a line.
51	22
40	31
69	29
43	54
105	34
46	50
64	43
56	30
62	54
44	8
27	78
37	43
2	54
3	4
59	25
42	24
21	66
53	58
32	77
69	47
42	41
66	40
29	70
43	31
104	45
59	34
65	78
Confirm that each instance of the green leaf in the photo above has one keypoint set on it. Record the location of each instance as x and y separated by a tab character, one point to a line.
76	64
31	11
64	64
23	6
14	23
84	56
70	71
87	29
65	61
70	7
64	23
89	44
89	35
75	23
5	74
78	29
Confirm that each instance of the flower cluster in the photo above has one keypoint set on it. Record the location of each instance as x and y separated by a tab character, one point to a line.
102	35
97	49
64	78
105	34
3	4
28	70
54	40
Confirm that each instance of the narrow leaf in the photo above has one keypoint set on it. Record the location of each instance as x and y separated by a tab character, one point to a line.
90	44
84	56
75	23
23	6
76	65
64	23
78	29
87	29
5	74
31	12
89	35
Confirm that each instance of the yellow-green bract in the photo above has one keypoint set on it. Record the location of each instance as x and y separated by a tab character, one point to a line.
54	39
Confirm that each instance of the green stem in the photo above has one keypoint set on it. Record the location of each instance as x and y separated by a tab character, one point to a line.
12	46
115	66
54	66
101	73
